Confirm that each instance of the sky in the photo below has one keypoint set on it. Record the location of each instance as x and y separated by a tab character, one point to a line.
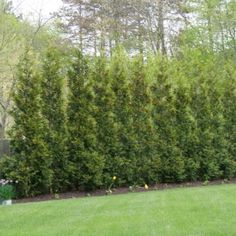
31	8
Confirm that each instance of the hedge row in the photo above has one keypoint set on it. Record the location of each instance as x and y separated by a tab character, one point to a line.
144	121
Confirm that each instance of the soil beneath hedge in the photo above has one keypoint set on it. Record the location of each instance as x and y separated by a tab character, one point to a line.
102	192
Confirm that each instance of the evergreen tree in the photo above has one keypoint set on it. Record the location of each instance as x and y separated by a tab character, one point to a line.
219	142
164	117
30	151
186	124
186	130
123	156
106	123
207	106
209	167
229	104
146	159
88	163
53	110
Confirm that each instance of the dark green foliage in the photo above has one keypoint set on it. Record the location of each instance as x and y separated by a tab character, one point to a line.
146	159
186	127
229	104
31	164
165	121
106	121
7	192
86	159
53	110
159	120
123	156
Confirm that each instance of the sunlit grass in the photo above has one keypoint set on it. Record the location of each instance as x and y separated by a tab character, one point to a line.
191	211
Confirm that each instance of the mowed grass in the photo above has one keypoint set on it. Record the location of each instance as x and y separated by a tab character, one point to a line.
191	211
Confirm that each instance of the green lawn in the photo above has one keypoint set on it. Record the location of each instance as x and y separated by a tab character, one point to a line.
190	211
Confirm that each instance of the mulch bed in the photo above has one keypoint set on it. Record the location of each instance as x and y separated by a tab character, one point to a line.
157	187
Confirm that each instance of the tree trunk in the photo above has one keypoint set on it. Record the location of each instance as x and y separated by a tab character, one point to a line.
3	126
161	30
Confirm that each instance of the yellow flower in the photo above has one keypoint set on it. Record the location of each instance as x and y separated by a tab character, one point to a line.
146	186
114	178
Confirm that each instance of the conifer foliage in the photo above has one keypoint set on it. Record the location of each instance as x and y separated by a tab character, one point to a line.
87	161
53	111
120	76
106	122
146	160
149	120
31	158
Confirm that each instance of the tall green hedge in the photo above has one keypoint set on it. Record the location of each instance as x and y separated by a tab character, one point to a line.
87	161
31	161
144	120
53	110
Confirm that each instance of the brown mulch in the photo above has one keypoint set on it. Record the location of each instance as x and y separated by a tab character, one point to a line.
157	187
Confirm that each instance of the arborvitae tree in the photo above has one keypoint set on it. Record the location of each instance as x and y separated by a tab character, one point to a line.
186	124
161	120
209	167
220	143
53	110
186	127
119	74
106	123
229	103
29	148
147	160
208	109
88	163
164	116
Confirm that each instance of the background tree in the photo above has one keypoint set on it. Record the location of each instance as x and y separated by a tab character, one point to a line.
209	24
9	53
139	26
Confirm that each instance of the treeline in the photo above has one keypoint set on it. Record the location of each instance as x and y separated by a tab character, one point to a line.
160	26
81	120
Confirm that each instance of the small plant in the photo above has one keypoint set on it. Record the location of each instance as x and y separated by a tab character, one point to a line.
7	190
56	196
109	191
205	183
133	188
